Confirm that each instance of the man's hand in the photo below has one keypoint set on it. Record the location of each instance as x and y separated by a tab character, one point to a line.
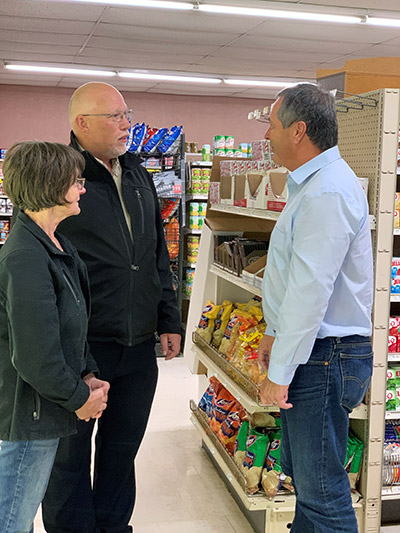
274	394
170	345
264	351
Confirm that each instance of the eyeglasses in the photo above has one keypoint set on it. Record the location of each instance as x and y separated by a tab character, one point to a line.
80	183
115	117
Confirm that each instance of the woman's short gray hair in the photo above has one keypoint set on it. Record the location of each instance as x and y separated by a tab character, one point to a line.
37	175
316	107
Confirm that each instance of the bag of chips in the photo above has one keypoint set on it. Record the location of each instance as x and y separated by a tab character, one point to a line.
205	403
273	478
205	327
257	445
228	431
221	322
240	443
222	403
353	460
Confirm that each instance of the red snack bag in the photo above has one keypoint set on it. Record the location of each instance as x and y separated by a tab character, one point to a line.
392	344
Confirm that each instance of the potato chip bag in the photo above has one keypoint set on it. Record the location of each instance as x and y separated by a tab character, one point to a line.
205	327
228	431
222	403
240	443
205	403
353	460
221	322
257	445
273	478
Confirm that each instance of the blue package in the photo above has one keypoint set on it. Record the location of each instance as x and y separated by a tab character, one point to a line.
132	132
154	141
169	139
137	138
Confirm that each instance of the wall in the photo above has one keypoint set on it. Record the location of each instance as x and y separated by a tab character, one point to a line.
31	112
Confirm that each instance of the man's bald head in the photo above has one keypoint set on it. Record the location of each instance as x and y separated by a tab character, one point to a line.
93	97
90	113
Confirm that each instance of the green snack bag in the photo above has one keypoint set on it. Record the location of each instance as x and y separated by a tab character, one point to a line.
390	379
256	448
240	444
272	476
390	399
354	454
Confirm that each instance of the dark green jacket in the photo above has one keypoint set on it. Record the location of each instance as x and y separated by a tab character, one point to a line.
44	305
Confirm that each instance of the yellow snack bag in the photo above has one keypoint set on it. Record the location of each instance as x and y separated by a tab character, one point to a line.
205	327
221	322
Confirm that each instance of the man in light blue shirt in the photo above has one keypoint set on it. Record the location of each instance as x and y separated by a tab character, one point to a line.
317	300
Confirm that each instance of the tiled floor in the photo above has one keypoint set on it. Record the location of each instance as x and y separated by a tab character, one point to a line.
179	490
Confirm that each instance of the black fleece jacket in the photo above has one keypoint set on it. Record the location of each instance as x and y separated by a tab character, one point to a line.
130	281
44	305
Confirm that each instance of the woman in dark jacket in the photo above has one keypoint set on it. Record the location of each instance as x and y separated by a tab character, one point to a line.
47	376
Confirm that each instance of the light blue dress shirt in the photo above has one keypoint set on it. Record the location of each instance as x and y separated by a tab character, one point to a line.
319	276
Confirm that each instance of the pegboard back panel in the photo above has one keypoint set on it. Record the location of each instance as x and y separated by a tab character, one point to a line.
360	138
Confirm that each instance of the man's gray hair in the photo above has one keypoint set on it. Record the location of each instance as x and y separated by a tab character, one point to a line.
313	105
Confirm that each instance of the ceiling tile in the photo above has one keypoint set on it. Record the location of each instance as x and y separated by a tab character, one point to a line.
32	57
50	49
193	21
151	46
392	5
51	26
41	37
273	53
51	10
107	54
176	36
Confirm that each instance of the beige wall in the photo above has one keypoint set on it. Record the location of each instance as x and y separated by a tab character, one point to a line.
31	112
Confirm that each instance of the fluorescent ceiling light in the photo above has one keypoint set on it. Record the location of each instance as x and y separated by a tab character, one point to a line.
279	13
377	21
168	77
60	70
260	83
140	3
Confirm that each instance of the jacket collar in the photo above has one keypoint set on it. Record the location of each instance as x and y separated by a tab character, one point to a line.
24	220
128	161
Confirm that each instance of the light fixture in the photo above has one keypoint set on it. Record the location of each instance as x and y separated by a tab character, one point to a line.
377	21
138	3
279	13
59	70
260	83
168	77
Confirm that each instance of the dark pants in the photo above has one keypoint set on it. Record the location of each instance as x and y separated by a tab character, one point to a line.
315	432
71	504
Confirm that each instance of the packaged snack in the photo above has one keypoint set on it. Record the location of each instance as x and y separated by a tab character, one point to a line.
205	403
222	403
391	399
132	132
171	140
354	454
154	140
221	322
228	431
205	327
172	237
273	478
240	443
257	445
262	419
138	138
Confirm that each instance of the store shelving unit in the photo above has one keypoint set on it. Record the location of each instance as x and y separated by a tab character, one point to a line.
368	134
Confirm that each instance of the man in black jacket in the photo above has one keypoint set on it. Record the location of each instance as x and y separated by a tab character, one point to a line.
119	235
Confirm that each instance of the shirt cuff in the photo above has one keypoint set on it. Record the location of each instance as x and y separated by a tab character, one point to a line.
281	375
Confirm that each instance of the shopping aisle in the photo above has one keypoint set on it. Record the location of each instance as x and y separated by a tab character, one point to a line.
179	491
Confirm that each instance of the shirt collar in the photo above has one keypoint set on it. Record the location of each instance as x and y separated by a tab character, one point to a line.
314	165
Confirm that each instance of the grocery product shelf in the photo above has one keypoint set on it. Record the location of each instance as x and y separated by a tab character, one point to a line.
5	215
189	264
391	492
246	211
192	231
244	390
256	502
190	197
236	280
394	357
395	297
392	415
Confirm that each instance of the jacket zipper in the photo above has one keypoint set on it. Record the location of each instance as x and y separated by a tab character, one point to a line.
71	288
139	197
36	406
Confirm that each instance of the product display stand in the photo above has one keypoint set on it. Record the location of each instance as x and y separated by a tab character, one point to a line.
368	141
157	163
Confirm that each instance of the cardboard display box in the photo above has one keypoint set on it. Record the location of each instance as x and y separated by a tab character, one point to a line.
249	273
257	190
277	190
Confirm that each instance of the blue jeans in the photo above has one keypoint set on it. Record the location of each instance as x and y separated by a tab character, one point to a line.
25	468
315	431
